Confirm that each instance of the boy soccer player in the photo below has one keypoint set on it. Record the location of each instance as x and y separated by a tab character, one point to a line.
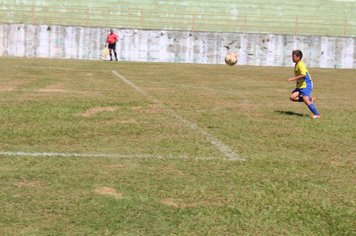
304	84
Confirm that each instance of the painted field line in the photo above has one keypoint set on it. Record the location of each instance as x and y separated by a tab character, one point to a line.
225	150
103	155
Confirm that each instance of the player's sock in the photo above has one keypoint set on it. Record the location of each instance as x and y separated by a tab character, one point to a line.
313	109
115	55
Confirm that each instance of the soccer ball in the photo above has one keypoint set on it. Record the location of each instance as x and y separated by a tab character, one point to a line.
231	59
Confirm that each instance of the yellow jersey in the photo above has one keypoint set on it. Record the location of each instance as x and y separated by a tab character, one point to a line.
301	69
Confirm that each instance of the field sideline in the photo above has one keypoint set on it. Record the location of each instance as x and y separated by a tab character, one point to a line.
100	148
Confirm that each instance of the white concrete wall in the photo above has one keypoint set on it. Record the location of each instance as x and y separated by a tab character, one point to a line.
175	46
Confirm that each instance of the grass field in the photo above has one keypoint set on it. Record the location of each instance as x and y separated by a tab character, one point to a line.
99	148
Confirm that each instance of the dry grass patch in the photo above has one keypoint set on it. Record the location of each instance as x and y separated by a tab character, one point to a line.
113	166
95	110
120	122
12	85
60	88
29	184
50	90
154	108
107	191
6	89
171	171
247	107
176	204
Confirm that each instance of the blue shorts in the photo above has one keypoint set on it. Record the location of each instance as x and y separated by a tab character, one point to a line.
303	91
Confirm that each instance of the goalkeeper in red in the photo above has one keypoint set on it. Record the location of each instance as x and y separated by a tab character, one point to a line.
111	40
304	84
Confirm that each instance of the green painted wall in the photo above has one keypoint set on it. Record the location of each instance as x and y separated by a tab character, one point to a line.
310	17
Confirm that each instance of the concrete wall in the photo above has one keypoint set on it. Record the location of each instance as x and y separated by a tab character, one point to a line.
175	46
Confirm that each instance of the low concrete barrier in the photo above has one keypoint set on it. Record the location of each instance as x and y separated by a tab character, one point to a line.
44	41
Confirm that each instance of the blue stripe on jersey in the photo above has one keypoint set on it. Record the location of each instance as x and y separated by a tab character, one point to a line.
308	81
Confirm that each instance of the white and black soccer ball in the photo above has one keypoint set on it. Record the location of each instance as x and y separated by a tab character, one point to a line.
231	59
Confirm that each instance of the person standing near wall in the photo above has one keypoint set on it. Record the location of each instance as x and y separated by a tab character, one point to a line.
111	40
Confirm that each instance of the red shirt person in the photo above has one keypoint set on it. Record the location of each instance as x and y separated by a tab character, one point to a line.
111	40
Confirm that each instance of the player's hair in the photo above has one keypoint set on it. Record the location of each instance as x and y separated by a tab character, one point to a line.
298	53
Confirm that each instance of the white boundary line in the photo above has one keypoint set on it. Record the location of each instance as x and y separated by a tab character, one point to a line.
104	155
225	150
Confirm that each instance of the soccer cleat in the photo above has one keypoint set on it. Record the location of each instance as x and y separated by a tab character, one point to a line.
315	116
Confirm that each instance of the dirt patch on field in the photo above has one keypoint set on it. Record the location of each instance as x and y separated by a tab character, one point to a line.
95	110
107	191
120	122
61	88
151	109
52	90
154	108
167	170
247	107
6	89
342	162
113	167
12	85
29	184
176	204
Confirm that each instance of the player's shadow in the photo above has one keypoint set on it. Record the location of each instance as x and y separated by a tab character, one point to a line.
290	113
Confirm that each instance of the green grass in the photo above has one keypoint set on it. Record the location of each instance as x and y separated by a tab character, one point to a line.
298	177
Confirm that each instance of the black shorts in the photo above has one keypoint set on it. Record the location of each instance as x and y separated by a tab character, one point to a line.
112	46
